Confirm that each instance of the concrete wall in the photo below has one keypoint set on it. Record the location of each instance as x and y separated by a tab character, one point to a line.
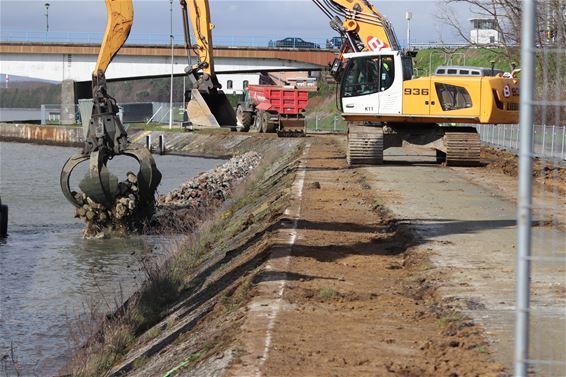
71	136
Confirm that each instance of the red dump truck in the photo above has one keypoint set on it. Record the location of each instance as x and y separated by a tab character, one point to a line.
270	108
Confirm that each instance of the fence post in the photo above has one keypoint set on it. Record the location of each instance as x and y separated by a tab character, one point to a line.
161	144
148	142
543	152
552	142
563	141
316	123
334	123
524	211
43	115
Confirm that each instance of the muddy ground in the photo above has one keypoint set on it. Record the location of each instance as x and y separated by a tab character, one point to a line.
545	173
405	269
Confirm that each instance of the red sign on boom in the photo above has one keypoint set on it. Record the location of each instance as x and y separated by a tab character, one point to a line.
376	44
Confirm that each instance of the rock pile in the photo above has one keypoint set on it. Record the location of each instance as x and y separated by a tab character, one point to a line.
122	218
183	208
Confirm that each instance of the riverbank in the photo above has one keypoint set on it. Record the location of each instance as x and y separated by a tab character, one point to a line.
198	276
306	272
207	143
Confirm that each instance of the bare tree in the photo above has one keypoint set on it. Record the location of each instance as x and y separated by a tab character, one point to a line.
506	15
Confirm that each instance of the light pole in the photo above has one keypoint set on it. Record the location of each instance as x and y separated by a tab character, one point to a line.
408	16
47	17
172	67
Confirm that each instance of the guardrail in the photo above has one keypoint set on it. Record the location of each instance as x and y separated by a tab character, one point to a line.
267	41
549	142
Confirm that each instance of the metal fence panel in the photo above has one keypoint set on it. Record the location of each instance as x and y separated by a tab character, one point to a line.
548	141
540	338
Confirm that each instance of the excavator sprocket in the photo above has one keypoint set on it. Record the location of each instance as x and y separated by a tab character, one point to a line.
462	146
365	145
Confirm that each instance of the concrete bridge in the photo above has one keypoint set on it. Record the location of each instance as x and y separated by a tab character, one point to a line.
65	61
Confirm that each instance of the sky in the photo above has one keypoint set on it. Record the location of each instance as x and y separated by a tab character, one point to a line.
234	19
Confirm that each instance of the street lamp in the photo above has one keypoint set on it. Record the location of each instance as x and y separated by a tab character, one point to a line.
47	17
408	16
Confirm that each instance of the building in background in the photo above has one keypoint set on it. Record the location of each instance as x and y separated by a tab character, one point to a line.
484	31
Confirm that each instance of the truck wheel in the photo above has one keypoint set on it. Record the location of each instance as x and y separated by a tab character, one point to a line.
267	125
244	118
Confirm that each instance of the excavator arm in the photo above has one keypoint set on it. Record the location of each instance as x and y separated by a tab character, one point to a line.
106	137
362	25
197	13
120	20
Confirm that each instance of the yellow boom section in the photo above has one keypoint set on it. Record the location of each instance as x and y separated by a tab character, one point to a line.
199	12
120	19
362	18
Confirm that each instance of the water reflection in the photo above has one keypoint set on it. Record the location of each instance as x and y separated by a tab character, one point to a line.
49	274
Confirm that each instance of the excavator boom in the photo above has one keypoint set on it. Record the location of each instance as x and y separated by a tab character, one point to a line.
120	20
364	27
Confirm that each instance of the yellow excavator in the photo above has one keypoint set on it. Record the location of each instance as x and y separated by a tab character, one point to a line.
377	94
386	107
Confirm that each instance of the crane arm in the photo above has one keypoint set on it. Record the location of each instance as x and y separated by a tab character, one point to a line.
120	20
364	27
198	13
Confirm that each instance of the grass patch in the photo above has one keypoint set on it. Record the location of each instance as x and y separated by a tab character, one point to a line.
327	293
154	127
450	318
428	59
480	349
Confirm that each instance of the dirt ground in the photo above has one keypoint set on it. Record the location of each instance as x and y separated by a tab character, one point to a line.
402	269
550	176
353	295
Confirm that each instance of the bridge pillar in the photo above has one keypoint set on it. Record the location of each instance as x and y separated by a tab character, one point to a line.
68	100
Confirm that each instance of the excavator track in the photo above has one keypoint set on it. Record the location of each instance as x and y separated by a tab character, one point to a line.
462	147
365	145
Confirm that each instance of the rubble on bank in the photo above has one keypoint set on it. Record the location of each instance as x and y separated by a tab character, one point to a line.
179	211
183	208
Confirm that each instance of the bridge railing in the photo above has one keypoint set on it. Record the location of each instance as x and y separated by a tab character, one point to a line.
263	40
151	39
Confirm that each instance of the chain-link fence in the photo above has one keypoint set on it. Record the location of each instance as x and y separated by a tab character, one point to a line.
53	114
549	141
139	112
540	342
161	111
325	123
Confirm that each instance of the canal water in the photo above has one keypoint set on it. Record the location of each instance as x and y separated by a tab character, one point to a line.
49	274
